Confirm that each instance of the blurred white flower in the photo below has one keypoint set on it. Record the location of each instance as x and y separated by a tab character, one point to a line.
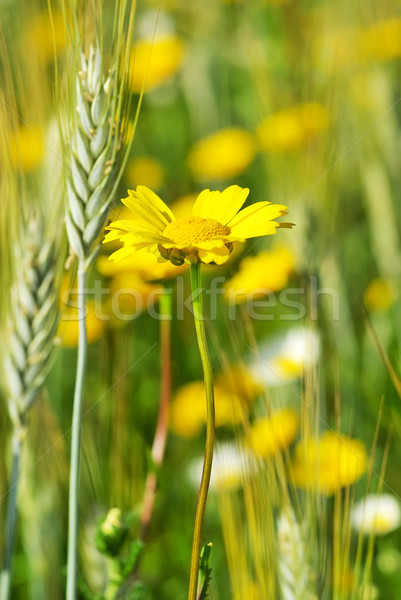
376	514
154	24
230	466
286	357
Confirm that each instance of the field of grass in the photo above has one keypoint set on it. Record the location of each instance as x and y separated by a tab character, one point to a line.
104	419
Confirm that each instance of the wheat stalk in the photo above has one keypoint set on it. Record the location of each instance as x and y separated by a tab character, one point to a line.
94	155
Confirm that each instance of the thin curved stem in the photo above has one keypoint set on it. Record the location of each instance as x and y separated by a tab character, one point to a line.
11	522
159	441
197	304
73	514
160	438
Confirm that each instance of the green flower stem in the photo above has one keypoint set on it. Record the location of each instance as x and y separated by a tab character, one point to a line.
197	304
72	558
114	579
11	523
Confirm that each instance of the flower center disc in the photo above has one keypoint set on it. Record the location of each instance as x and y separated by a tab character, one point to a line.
189	231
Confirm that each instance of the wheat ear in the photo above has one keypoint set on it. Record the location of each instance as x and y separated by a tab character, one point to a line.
94	148
96	134
294	572
30	340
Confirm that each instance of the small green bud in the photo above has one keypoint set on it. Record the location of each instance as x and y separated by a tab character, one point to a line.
112	533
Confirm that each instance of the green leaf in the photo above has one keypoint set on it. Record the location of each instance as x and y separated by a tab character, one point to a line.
129	562
205	572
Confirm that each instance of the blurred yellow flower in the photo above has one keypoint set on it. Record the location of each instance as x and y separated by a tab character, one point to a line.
292	128
132	284
68	329
183	205
329	463
239	381
270	434
27	147
334	49
129	296
222	155
206	235
267	271
381	41
43	39
154	62
145	170
143	263
379	295
188	409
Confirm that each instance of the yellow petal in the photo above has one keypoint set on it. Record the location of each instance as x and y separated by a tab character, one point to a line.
206	245
111	236
256	220
145	213
153	198
203	201
121	253
217	255
148	206
221	206
149	237
213	243
128	226
134	232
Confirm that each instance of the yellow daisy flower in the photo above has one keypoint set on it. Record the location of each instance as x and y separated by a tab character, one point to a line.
329	463
223	154
379	295
239	381
154	62
268	271
290	129
144	263
381	41
147	170
270	434
27	147
68	329
188	409
44	37
207	235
